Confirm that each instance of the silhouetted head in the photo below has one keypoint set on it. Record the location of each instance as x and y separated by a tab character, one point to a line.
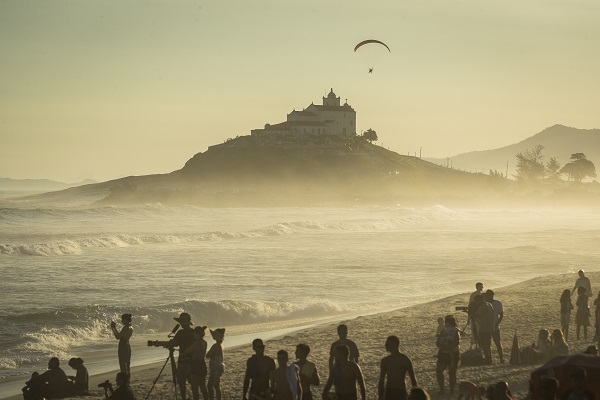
258	346
342	352
501	389
218	334
392	343
479	286
126	318
302	351
184	319
450	320
417	393
591	349
342	331
200	331
489	295
75	362
566	294
581	273
282	357
544	334
557	335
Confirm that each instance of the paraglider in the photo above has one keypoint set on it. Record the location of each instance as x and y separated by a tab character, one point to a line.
371	41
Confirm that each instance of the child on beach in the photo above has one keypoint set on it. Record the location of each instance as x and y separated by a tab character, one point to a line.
215	364
582	317
565	312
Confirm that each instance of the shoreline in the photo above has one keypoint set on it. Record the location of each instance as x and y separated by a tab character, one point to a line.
529	306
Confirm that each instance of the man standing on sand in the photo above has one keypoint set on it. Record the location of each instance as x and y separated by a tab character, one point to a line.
183	338
308	371
285	380
498	314
258	370
485	320
342	331
394	367
584	282
344	375
479	291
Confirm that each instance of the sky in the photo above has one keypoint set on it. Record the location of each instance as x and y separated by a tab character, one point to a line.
102	89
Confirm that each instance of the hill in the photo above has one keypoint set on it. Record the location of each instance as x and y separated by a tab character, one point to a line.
559	141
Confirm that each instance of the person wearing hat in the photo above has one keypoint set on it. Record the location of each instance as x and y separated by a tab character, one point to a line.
183	339
216	367
123	337
579	391
258	372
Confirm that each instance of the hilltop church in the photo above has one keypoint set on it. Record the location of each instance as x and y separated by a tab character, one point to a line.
331	118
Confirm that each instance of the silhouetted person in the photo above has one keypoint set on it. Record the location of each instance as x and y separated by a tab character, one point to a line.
579	391
501	391
418	394
183	339
393	370
565	312
123	337
285	379
485	321
448	354
342	331
478	291
344	375
52	384
584	282
197	351
497	315
549	388
80	383
308	371
122	392
470	391
597	318
559	345
582	316
216	367
258	372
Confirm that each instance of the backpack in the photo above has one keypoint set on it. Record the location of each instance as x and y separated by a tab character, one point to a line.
472	357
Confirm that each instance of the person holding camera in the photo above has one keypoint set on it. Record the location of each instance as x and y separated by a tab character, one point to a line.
123	391
184	339
123	337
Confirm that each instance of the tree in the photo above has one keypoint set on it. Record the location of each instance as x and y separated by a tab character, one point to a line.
553	169
579	168
530	165
370	135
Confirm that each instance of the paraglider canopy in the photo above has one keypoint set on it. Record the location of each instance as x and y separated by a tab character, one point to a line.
371	41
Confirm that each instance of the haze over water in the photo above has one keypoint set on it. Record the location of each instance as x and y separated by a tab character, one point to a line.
67	272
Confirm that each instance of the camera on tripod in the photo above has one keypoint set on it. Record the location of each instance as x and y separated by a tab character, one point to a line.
105	385
160	343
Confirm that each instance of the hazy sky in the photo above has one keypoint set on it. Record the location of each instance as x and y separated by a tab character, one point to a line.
108	88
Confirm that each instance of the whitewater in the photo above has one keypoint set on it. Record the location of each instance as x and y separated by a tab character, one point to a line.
67	272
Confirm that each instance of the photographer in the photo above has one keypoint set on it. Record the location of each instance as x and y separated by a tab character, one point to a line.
183	338
123	391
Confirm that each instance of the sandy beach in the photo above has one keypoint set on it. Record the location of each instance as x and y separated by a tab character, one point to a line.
528	307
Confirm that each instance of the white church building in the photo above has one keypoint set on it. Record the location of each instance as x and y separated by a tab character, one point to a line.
331	118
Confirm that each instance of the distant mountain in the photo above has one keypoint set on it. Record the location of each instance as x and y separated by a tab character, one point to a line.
559	141
38	185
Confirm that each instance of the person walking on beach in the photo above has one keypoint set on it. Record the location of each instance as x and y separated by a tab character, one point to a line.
123	337
565	312
584	282
393	370
216	367
345	375
308	371
198	372
498	315
448	354
258	372
582	316
485	322
184	339
285	379
343	340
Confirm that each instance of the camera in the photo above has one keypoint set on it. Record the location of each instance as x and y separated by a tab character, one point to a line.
160	343
459	308
105	385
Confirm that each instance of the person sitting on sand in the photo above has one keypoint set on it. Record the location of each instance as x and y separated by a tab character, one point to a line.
216	367
394	368
543	346
470	391
285	379
565	312
123	391
584	282
258	372
80	383
345	375
582	316
308	371
52	384
343	340
448	354
198	372
559	346
123	337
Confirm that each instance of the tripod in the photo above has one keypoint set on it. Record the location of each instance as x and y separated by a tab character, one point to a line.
171	358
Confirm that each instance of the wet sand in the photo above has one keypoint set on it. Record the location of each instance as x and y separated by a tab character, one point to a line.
528	307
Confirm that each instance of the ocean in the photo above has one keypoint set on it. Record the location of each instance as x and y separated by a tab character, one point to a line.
67	272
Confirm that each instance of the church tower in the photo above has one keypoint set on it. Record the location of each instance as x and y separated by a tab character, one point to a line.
331	100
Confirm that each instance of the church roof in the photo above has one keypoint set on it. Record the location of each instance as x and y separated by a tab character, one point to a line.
290	124
344	108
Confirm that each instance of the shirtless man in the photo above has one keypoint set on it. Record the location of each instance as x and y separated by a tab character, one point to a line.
258	370
584	282
342	331
344	375
285	380
394	367
308	371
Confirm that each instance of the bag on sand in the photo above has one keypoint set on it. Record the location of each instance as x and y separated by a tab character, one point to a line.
472	357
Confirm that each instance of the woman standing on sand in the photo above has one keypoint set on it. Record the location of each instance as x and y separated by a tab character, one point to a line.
565	312
215	364
123	337
582	317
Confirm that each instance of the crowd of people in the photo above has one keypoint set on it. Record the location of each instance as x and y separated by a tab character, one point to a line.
266	378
